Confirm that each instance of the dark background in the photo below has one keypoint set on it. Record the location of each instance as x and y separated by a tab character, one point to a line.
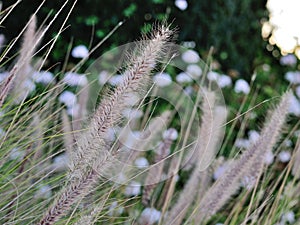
232	27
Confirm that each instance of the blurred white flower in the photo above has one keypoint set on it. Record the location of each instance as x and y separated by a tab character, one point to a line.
131	99
294	106
190	56
60	162
189	44
115	80
44	192
288	143
224	81
121	178
28	86
269	158
242	143
241	86
73	110
2	133
176	179
297	133
110	135
288	60
80	51
181	4
141	162
103	77
133	189
115	210
284	156
68	98
266	67
293	77
2	39
253	115
16	154
43	77
194	70
253	136
75	79
189	90
3	75
132	113
220	170
149	216
183	78
298	91
162	79
213	76
162	151
288	217
171	134
129	138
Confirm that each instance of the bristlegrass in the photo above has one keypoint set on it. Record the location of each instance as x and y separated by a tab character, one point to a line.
90	153
249	164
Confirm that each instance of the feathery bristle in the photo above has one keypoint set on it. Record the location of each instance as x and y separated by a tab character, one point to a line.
248	164
91	155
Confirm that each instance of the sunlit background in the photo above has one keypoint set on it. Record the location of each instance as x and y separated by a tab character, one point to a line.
283	28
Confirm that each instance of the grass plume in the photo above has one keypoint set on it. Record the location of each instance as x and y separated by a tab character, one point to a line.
91	155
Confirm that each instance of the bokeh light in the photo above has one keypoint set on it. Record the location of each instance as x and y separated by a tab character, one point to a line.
282	28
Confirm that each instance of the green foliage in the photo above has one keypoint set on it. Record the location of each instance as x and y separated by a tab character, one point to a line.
229	26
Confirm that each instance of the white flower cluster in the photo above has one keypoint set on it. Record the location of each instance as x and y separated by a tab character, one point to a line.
288	60
190	56
74	79
221	79
284	156
253	136
141	163
3	76
220	170
293	77
295	105
80	52
241	86
44	192
133	189
162	79
103	77
149	216
60	162
171	134
132	113
181	4
70	100
287	218
17	154
115	209
42	77
194	71
245	143
116	80
183	78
